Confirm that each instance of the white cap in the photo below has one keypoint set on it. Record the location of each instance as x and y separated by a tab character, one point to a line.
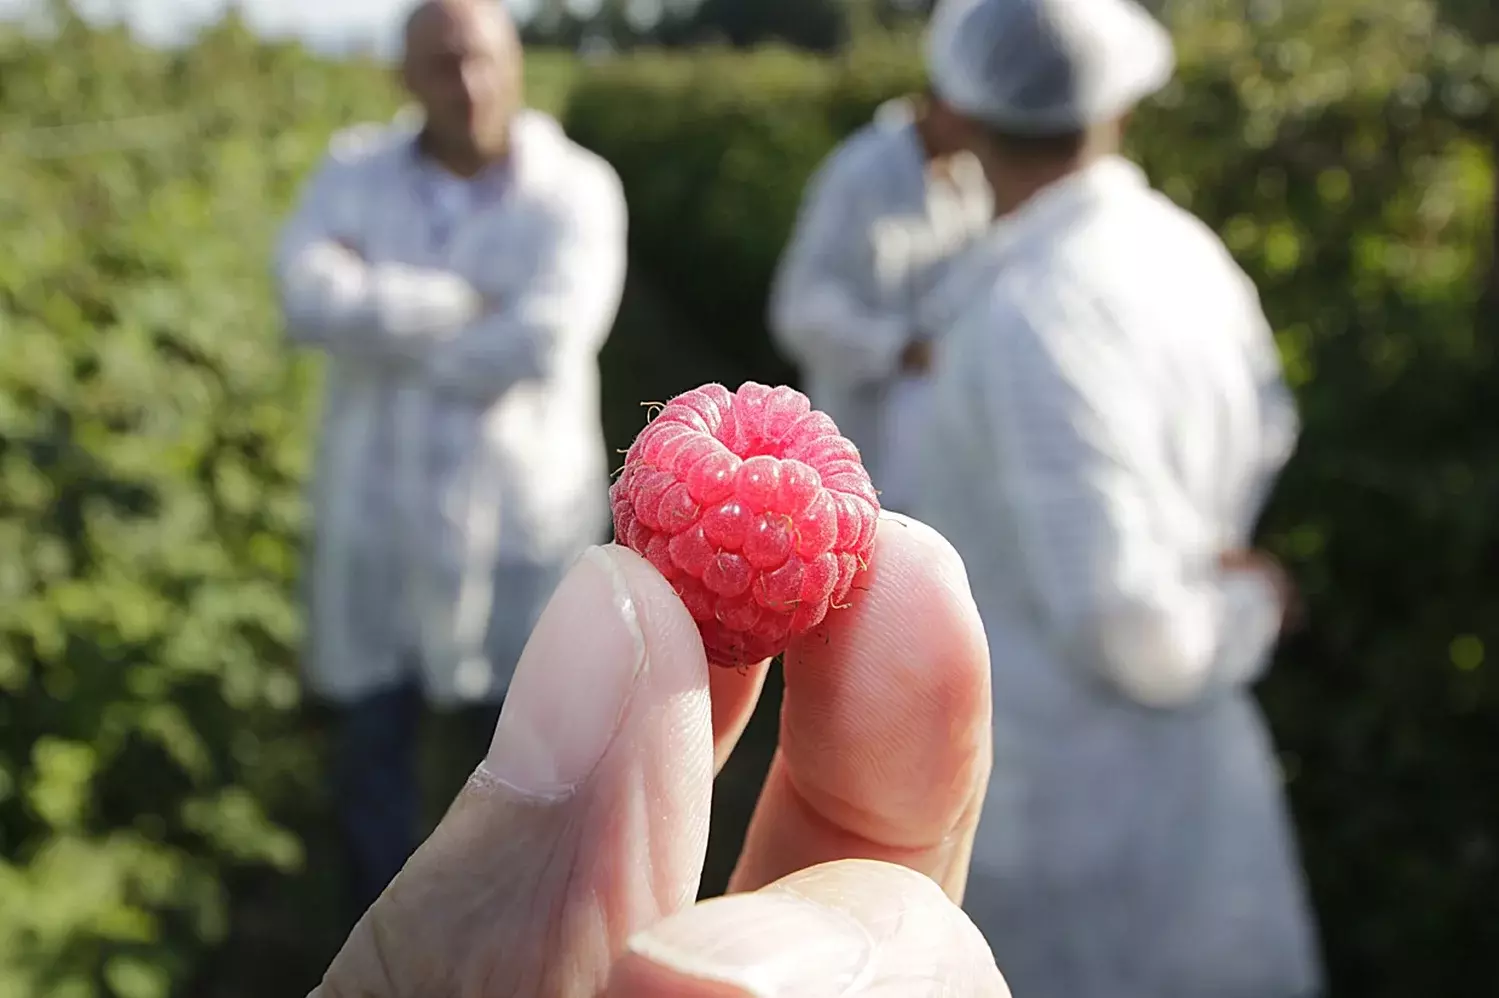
1044	67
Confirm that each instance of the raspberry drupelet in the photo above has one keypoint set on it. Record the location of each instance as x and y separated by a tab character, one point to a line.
755	508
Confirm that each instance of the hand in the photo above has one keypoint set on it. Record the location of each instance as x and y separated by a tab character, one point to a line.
569	864
917	357
1265	565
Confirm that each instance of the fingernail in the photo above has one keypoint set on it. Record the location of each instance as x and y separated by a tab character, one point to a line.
770	945
572	684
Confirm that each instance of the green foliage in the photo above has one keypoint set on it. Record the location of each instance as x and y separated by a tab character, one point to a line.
153	440
153	444
1344	152
713	149
1355	182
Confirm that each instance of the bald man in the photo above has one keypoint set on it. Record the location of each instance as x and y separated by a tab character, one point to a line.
460	270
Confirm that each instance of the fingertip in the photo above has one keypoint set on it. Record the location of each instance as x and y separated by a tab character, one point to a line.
668	628
588	820
911	542
928	571
637	976
917	569
735	694
764	945
885	728
860	887
847	928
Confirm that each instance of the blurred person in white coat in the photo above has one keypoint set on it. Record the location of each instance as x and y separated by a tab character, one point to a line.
881	222
461	269
1109	417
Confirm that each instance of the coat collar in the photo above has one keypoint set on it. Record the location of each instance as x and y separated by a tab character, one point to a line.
537	147
1046	214
1052	208
1078	191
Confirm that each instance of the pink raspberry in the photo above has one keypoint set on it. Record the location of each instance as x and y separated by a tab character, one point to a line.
756	510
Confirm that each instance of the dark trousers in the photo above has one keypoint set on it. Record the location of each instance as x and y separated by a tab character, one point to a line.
378	787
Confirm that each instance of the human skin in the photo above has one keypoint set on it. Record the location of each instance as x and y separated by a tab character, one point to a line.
569	864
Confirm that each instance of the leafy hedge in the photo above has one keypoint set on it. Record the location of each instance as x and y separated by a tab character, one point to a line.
153	442
713	148
1345	154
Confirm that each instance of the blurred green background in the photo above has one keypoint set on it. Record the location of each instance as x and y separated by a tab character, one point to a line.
162	821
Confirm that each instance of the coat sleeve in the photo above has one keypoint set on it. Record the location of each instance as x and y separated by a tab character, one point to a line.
334	300
1077	471
823	313
567	304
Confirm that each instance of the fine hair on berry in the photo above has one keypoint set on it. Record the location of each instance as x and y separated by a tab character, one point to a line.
755	508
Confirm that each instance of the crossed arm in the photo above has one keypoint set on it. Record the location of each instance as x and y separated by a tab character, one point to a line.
567	292
336	301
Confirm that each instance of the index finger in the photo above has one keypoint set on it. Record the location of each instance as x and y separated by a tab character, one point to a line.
885	744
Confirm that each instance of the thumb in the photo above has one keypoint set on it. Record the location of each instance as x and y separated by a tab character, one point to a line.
847	928
588	820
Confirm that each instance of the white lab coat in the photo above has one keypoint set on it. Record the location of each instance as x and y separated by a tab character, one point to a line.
1109	417
874	237
461	447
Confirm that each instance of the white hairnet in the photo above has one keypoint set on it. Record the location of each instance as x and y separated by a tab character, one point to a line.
1046	66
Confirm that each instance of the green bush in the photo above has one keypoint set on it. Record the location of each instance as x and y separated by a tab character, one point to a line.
1344	154
153	443
713	149
678	130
